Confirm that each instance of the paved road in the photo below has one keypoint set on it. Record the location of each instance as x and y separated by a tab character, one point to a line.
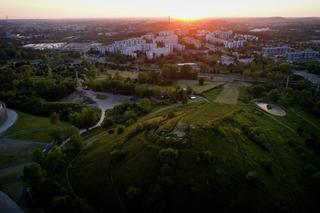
12	117
112	101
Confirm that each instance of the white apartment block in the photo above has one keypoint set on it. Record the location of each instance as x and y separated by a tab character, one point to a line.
195	42
147	44
228	39
276	51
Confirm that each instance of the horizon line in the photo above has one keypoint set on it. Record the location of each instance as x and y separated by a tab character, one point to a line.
158	17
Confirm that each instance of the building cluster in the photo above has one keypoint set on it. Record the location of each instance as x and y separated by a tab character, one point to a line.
289	53
62	46
229	39
192	41
162	44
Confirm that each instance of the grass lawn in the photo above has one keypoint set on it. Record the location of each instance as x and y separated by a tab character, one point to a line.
35	128
194	84
124	74
217	128
229	94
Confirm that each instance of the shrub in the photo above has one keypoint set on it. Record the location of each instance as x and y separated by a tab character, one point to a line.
201	81
54	118
315	180
76	142
206	156
168	156
171	114
145	105
266	164
252	177
108	123
120	130
313	143
117	155
133	194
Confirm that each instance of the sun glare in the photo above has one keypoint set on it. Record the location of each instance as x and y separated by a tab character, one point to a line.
186	15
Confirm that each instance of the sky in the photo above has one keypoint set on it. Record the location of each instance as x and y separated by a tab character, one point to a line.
188	9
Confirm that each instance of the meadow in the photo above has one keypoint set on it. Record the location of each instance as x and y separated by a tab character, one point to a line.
238	156
35	128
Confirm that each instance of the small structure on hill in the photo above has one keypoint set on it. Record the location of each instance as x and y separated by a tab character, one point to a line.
271	108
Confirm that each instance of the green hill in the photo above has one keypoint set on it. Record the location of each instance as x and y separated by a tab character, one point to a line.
222	158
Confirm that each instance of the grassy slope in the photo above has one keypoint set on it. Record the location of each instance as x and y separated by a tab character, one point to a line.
35	128
224	181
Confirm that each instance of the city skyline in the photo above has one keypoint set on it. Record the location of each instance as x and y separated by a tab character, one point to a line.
48	9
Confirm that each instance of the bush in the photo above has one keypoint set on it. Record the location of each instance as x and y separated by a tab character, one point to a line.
171	114
76	142
145	105
252	177
315	180
117	155
54	118
313	143
133	194
120	130
266	164
108	123
168	156
201	81
206	156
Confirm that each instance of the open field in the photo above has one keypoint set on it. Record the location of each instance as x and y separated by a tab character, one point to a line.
246	171
124	74
194	84
230	93
35	128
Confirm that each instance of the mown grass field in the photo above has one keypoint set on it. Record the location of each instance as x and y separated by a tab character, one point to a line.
35	128
123	74
244	174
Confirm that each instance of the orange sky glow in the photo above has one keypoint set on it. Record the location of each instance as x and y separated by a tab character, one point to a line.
182	9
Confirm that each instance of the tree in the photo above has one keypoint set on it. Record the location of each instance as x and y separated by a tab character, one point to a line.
38	157
189	90
184	99
76	142
201	81
170	72
286	68
33	175
168	156
80	206
203	68
274	95
86	118
252	177
145	105
58	134
55	161
120	130
54	118
133	194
